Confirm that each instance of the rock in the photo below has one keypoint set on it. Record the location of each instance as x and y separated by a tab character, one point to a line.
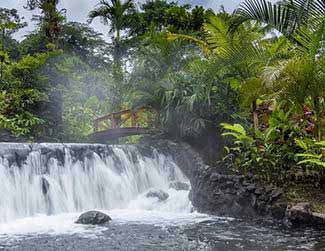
318	220
45	185
278	207
301	215
179	186
236	196
159	194
275	194
7	136
251	187
258	190
93	218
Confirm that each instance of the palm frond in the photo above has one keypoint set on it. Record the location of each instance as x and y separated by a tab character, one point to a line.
201	43
310	40
114	12
271	74
279	16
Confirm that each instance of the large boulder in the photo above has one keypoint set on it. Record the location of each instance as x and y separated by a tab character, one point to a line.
179	186
159	194
93	218
301	215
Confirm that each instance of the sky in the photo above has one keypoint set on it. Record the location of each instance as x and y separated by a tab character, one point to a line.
77	10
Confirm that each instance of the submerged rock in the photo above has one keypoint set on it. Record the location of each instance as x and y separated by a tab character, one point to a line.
93	218
301	215
159	194
45	185
179	186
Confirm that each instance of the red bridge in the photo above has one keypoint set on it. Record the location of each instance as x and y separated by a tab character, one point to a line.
139	121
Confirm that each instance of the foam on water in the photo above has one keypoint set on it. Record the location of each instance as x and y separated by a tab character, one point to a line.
47	197
64	223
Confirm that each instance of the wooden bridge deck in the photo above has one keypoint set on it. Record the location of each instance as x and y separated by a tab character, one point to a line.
113	134
116	125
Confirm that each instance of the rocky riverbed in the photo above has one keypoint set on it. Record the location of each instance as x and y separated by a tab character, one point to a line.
169	234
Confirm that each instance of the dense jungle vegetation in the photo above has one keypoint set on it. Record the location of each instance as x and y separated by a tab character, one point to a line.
257	76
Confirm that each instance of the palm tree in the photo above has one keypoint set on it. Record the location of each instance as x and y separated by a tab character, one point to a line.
303	23
245	52
51	18
118	15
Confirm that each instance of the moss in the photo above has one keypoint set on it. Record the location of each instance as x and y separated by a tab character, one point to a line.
314	196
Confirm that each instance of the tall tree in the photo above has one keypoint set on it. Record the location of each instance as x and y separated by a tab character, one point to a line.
164	15
118	15
10	22
50	111
50	19
81	40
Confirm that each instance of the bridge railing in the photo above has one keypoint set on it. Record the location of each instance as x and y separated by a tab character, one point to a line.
127	118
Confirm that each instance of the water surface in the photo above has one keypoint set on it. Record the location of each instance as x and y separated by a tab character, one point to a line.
41	199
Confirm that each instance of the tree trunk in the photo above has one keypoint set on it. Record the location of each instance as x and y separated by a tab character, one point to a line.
117	74
2	57
52	20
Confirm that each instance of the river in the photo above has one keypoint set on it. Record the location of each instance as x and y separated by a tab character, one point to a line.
45	187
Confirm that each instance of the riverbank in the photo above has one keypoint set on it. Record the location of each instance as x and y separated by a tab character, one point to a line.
218	191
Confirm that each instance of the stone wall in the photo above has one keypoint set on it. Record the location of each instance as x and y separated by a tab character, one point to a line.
234	195
223	194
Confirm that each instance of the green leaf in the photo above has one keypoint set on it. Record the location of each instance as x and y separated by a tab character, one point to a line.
259	101
321	143
312	161
234	83
309	155
236	128
302	144
235	135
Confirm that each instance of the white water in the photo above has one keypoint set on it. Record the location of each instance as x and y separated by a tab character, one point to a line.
116	184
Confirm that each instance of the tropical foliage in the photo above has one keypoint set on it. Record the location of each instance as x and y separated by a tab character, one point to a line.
256	75
296	77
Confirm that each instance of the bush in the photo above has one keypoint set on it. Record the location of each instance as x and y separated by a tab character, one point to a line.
284	152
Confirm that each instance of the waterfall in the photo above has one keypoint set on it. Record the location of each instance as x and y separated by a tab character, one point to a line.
55	178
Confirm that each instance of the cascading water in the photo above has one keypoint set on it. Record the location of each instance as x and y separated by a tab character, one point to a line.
115	180
45	187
